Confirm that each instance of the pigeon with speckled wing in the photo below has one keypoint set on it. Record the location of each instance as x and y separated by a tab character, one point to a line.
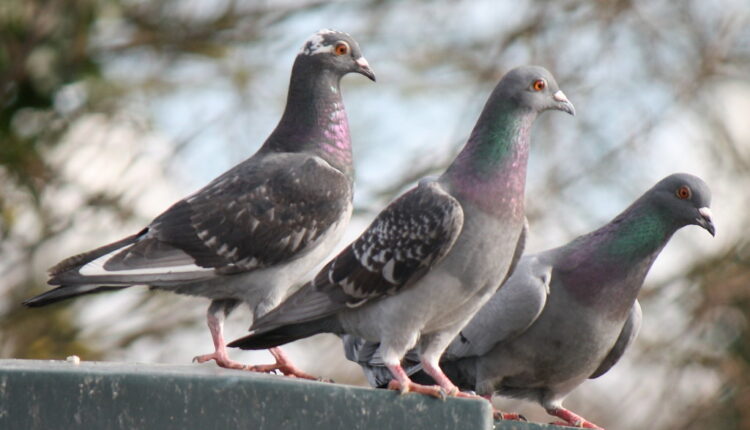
252	233
566	314
431	258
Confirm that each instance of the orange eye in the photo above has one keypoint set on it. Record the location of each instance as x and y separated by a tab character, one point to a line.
684	193
539	85
341	48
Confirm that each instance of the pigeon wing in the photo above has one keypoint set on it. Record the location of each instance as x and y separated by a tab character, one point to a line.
411	235
508	313
626	338
253	216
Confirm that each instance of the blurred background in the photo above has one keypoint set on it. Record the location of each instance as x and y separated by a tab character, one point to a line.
112	110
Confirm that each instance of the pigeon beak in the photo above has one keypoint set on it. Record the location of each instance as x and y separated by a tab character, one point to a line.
706	221
363	68
563	103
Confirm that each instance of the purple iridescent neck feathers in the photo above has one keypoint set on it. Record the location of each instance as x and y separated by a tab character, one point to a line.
314	119
490	172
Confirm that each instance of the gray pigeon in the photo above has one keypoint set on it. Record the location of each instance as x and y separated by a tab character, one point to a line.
433	256
566	314
253	232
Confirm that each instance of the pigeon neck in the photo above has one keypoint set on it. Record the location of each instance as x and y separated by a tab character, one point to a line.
638	234
491	169
611	263
314	118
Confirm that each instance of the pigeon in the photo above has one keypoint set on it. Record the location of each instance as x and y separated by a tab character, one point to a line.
251	234
566	314
432	257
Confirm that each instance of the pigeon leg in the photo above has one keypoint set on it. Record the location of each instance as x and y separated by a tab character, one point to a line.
216	315
570	418
437	374
217	312
403	384
283	364
498	415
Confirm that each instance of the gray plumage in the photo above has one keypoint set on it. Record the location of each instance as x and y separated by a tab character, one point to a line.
253	232
436	254
566	314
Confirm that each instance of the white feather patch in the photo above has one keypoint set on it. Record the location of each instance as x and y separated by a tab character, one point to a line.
96	268
314	45
388	271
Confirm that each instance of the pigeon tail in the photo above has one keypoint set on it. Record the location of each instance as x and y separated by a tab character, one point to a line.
288	333
69	267
307	304
66	292
72	279
77	261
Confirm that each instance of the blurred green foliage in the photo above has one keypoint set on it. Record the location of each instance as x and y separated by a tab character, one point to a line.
44	47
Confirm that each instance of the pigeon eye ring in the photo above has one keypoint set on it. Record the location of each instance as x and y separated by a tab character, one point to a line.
684	193
341	48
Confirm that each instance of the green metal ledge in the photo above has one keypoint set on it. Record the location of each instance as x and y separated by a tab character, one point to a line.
94	395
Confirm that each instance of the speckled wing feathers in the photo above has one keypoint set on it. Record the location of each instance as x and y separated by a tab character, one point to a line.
245	220
412	234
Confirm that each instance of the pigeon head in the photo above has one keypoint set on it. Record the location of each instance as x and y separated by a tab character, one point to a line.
686	198
534	88
336	51
491	169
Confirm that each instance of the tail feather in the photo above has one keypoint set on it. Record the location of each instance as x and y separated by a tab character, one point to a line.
57	272
71	283
287	333
307	304
66	292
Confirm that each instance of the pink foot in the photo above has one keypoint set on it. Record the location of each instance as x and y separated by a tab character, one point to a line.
413	387
497	414
571	419
284	365
215	318
286	369
221	360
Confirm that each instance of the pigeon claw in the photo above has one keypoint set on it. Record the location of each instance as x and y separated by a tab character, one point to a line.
396	386
496	413
221	360
499	415
411	387
574	425
571	419
286	369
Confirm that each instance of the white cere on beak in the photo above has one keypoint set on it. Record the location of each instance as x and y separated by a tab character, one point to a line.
706	213
560	96
362	62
